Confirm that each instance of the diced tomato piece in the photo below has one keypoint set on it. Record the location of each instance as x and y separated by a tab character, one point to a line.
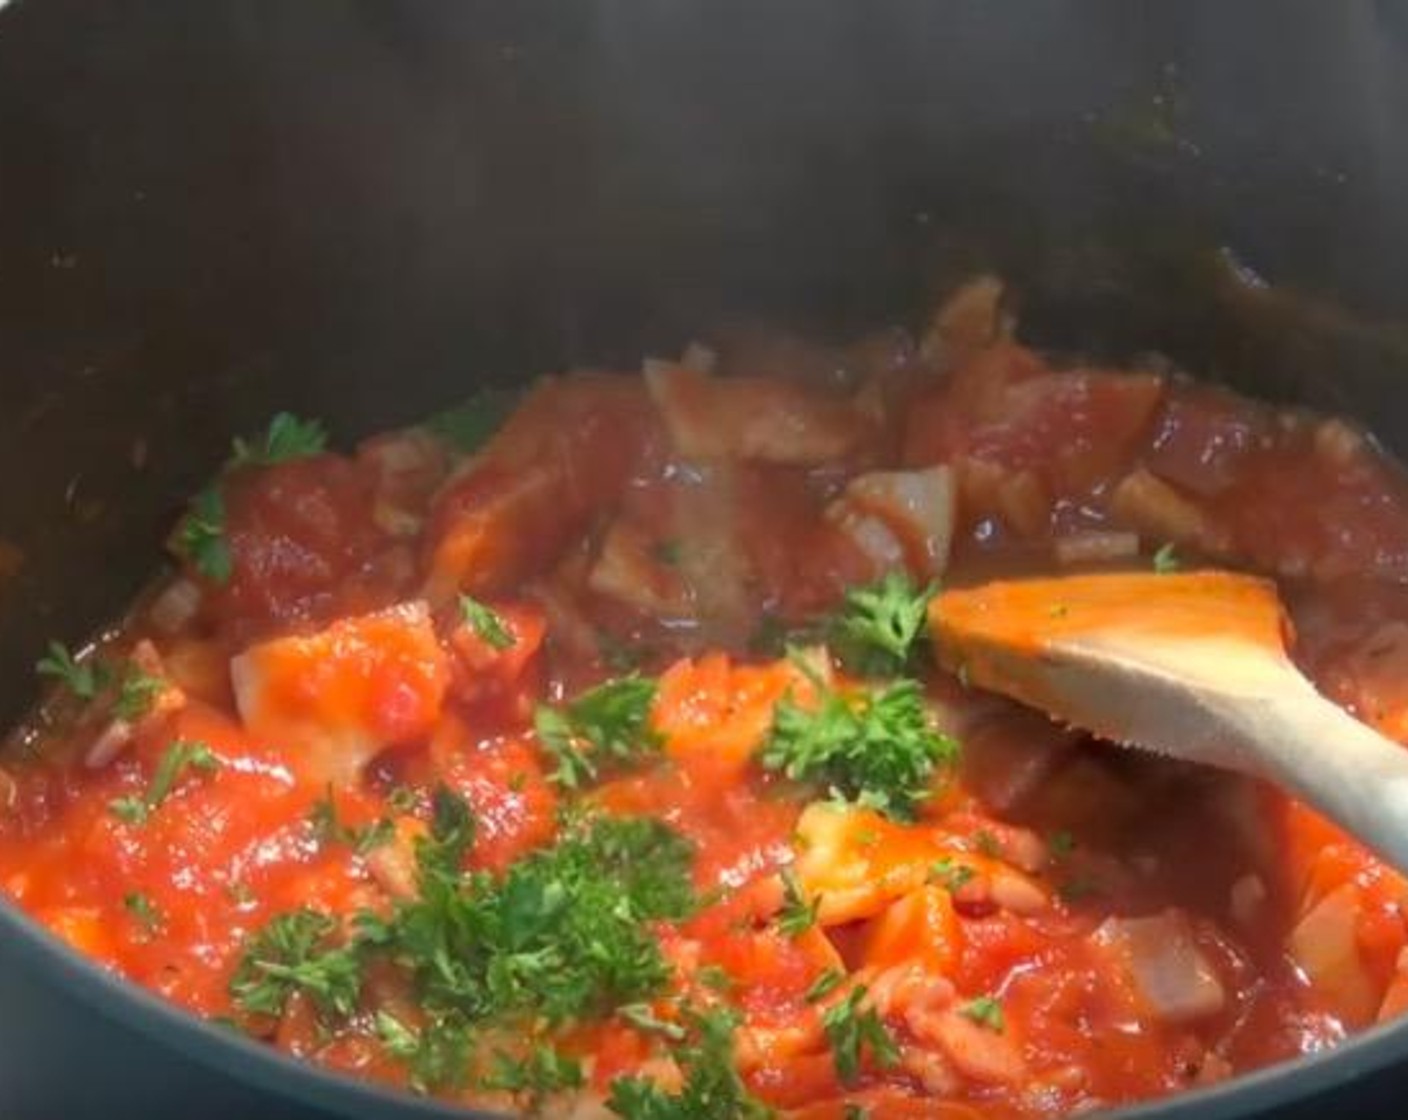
303	545
502	780
482	668
342	695
530	492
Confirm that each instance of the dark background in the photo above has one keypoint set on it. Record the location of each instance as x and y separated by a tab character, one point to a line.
211	210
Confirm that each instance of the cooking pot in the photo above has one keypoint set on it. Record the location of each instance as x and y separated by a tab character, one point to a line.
362	211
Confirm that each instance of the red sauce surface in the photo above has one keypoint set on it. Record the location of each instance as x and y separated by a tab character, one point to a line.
602	527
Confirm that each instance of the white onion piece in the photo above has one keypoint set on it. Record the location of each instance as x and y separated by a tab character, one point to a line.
1165	966
1096	546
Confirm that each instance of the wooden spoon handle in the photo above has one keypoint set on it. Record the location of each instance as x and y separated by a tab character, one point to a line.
1330	760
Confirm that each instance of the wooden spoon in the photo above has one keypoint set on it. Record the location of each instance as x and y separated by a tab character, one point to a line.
1191	665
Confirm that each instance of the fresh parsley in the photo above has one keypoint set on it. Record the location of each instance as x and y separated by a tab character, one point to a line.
877	747
640	1016
712	1088
1166	560
986	1011
797	914
488	625
452	832
534	1077
824	985
851	1031
950	875
143	912
606	726
85	678
879	626
329	828
564	934
437	1056
200	538
136	694
286	438
467	425
180	756
293	953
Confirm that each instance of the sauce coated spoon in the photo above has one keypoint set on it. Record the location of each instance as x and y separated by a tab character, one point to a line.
1190	665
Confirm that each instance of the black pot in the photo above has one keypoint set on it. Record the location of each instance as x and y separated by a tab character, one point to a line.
363	210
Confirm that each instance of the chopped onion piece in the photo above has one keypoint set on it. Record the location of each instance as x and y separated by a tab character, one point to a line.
1096	546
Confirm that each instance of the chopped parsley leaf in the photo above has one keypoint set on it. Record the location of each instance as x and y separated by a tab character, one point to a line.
642	1018
467	425
878	626
200	538
878	747
987	844
712	1088
488	625
85	679
824	985
136	694
1166	560
606	726
535	1077
1061	844
986	1011
565	933
180	756
328	828
950	875
797	914
398	1039
452	831
712	976
286	438
142	910
292	954
851	1031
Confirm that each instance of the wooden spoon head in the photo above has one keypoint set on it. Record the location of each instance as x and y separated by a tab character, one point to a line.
1135	657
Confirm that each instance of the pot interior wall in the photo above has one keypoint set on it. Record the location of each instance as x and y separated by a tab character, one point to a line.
363	210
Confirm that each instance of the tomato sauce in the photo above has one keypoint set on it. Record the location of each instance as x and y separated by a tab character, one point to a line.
357	652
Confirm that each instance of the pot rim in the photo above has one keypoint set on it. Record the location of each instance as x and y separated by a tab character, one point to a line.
214	1046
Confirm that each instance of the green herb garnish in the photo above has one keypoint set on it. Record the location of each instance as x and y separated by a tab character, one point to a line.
1166	560
467	425
824	985
200	537
949	875
534	1078
986	1011
877	748
851	1031
712	1088
487	624
797	914
293	954
180	756
142	910
606	726
286	438
329	828
85	679
878	626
